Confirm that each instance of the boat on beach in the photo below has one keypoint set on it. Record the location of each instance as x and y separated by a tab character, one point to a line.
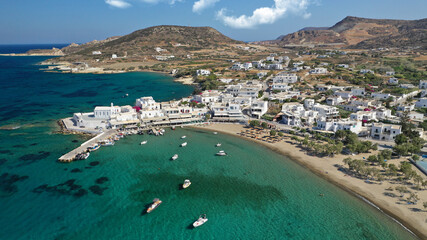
202	220
156	203
144	142
183	144
186	184
221	153
175	157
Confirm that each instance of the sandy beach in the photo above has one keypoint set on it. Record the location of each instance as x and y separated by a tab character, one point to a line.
185	80
413	217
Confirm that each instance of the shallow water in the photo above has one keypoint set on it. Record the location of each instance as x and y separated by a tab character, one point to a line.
253	193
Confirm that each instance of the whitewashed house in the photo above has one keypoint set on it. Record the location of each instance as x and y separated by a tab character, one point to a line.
393	81
358	92
319	71
423	84
421	103
203	72
386	132
259	108
334	100
226	110
207	97
285	78
335	125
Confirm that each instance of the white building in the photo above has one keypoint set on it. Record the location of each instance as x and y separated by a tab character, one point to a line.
96	53
382	96
421	103
106	112
259	108
326	111
149	108
344	94
358	92
207	97
333	101
364	71
393	81
203	72
319	71
284	87
387	132
391	73
363	116
227	110
113	56
335	125
423	84
285	78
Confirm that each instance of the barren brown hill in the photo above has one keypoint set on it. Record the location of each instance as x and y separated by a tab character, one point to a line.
358	32
158	40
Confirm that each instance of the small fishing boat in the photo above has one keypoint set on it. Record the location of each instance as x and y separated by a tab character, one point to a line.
183	144
202	220
215	133
175	157
94	148
218	145
107	143
144	142
82	156
186	184
154	205
173	127
183	137
221	153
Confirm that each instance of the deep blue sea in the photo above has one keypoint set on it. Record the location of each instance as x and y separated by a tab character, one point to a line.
22	48
253	193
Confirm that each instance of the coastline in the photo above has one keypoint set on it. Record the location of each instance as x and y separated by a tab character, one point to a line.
372	194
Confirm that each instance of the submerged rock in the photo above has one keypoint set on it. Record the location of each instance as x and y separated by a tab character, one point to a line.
94	163
95	189
101	180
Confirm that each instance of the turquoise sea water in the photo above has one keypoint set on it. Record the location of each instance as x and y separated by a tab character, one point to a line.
253	193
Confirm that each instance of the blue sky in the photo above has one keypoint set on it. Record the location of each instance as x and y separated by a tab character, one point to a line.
66	21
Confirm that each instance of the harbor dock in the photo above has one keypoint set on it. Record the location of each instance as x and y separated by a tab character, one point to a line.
71	156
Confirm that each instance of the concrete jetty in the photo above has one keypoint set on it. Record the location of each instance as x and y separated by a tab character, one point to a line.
69	157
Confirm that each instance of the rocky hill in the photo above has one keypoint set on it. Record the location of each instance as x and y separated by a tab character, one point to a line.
355	32
158	40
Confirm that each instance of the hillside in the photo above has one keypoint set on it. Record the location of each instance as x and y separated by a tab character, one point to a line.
158	40
355	32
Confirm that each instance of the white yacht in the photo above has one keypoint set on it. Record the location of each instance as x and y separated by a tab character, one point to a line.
221	153
183	144
175	157
183	137
218	145
202	220
186	184
144	142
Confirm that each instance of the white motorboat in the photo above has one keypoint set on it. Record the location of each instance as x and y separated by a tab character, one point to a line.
215	133
183	144
175	157
186	184
183	137
202	220
221	153
154	205
144	142
218	145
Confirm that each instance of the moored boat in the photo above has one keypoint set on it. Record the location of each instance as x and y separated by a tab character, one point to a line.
186	183
221	153
156	203
218	145
94	148
202	220
183	144
175	157
144	142
215	133
183	137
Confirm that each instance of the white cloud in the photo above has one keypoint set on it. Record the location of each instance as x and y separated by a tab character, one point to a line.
158	1
201	5
266	15
118	3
